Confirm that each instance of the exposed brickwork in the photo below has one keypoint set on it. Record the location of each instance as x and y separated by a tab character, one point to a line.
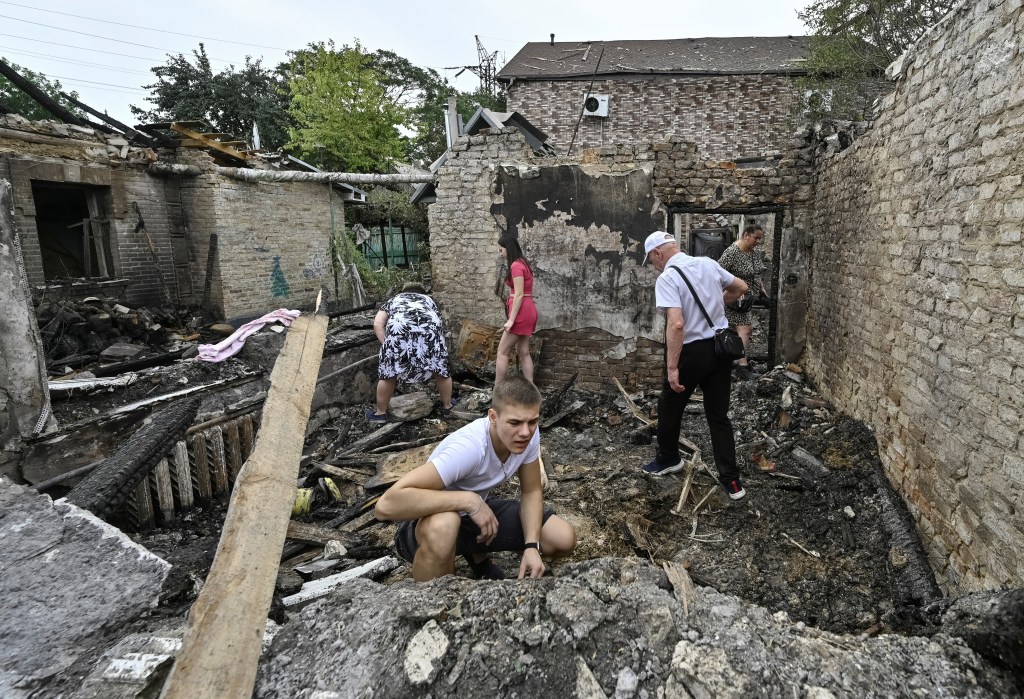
728	116
917	315
587	255
255	223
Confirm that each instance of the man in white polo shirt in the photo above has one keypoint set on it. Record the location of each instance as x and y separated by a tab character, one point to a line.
690	358
444	506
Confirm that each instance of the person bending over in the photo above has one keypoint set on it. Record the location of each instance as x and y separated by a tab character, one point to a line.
444	508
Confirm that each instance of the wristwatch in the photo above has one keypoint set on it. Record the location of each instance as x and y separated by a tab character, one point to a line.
532	545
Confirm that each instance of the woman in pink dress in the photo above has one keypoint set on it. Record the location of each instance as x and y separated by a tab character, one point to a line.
522	313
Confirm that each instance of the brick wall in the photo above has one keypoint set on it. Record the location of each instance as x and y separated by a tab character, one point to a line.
120	186
273	240
582	222
917	315
728	116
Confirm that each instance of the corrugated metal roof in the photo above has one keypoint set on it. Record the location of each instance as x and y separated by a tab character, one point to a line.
724	55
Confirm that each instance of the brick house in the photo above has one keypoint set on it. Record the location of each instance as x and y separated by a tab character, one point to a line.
734	97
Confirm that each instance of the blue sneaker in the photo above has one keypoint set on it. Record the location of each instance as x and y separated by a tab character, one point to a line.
656	469
735	489
372	416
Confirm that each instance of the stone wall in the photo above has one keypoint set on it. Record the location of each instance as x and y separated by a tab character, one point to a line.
917	317
728	116
582	223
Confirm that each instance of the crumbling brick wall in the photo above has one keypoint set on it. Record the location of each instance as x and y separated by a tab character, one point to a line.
728	116
582	222
273	240
917	318
132	259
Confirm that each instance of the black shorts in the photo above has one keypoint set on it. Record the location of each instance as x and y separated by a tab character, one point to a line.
509	537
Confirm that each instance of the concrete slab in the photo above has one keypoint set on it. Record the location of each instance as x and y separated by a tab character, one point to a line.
67	579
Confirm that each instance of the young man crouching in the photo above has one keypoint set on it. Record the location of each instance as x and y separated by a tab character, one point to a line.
443	504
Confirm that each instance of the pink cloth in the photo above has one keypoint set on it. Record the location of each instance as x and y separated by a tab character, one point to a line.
230	346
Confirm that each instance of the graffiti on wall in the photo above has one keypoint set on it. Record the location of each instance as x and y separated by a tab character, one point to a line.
278	283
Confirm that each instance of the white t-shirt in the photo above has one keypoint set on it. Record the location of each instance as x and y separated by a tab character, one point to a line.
466	460
709	279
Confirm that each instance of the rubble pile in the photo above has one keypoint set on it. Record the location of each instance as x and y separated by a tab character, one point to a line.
601	628
79	333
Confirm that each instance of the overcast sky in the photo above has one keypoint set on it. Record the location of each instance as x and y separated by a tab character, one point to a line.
91	50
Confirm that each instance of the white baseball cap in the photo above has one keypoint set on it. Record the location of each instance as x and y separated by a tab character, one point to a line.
655	240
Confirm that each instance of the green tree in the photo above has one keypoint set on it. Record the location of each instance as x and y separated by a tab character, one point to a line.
853	43
344	117
13	99
231	101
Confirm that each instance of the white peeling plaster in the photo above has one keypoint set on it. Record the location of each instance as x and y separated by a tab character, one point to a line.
424	651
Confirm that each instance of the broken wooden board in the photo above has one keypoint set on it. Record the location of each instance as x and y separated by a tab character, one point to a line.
121	350
393	466
681	583
316	589
313	534
223	641
378	435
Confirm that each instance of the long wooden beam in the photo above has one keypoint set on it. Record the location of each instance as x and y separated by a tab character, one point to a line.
222	641
45	101
252	175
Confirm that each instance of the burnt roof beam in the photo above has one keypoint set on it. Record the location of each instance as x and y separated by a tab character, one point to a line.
44	100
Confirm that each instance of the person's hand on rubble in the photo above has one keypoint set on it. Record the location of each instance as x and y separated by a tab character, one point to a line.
532	565
484	518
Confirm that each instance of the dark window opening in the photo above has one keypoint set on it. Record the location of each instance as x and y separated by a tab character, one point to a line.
73	231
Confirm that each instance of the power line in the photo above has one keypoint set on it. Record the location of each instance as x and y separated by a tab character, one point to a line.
88	64
105	38
81	48
94	82
136	26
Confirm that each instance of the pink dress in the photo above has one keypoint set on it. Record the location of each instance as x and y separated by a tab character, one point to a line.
526	319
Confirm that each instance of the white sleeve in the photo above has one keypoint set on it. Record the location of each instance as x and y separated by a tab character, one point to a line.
456	459
666	293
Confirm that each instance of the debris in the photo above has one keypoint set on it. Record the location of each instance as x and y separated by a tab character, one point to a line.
394	466
631	405
787	398
424	652
681	583
377	435
105	489
85	384
561	415
316	589
809	460
313	534
221	644
411	406
69	580
848	511
121	350
229	346
797	544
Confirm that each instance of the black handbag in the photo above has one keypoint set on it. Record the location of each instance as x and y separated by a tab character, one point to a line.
728	344
743	303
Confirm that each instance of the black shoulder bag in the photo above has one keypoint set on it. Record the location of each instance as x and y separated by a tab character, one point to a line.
727	343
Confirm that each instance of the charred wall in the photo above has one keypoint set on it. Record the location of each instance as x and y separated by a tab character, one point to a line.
581	223
916	323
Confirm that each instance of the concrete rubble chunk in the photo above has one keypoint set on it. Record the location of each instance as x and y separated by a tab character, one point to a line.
411	638
67	580
424	653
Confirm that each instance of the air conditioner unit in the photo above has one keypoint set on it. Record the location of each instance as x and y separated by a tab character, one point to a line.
595	105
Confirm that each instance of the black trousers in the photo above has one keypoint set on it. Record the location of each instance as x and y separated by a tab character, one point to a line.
699	366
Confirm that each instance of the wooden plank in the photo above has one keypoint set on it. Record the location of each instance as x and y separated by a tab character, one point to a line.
200	468
246	434
222	643
394	466
182	127
319	535
160	480
181	476
143	509
318	588
233	450
215	458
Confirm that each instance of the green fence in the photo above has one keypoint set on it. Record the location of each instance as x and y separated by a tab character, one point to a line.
392	247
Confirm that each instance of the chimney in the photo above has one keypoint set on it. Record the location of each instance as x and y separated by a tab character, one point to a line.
552	39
